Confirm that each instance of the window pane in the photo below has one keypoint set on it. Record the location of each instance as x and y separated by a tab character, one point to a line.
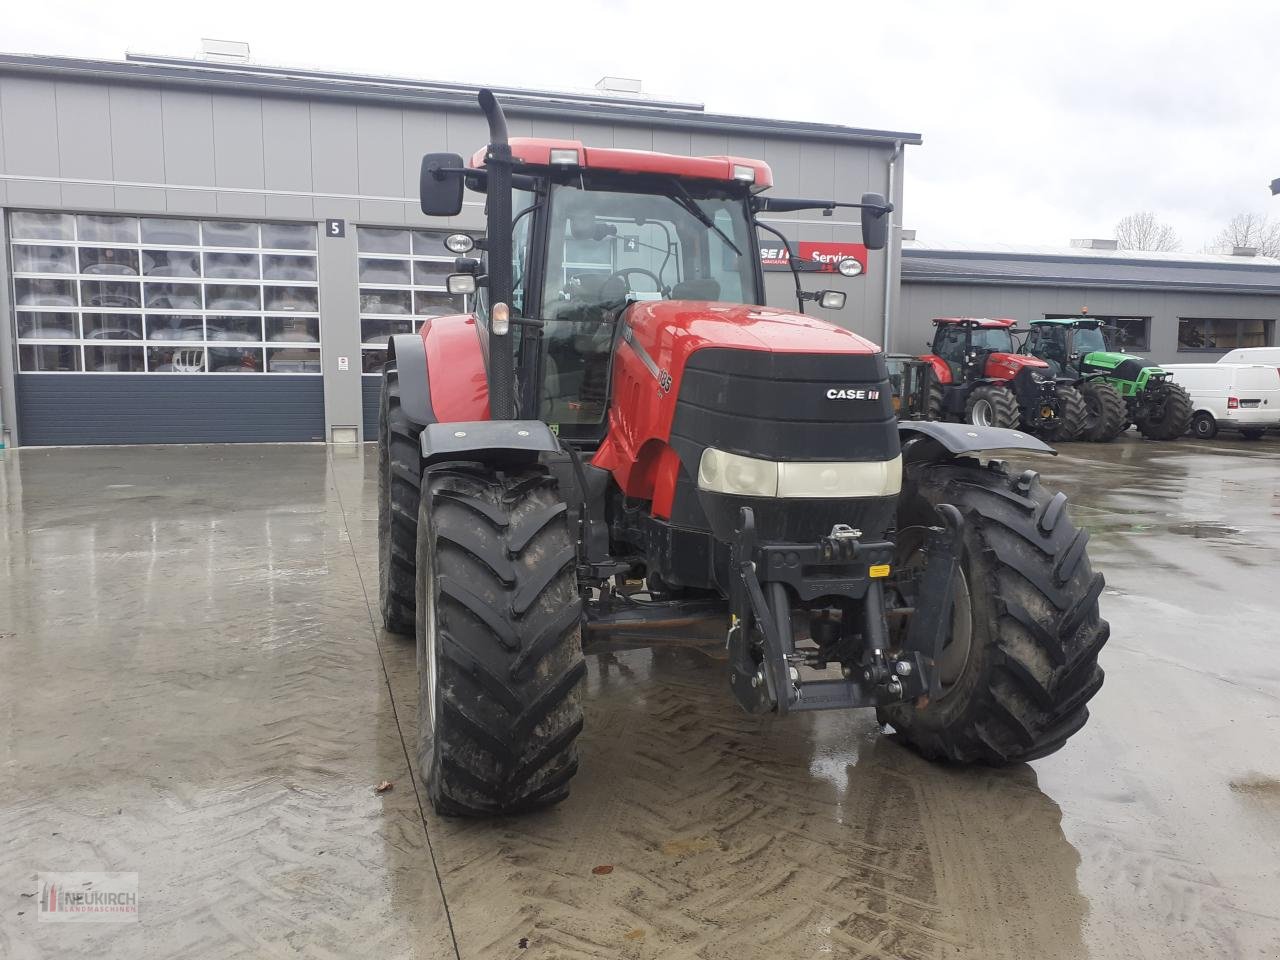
42	226
229	233
375	240
109	293
384	301
35	357
99	229
432	304
174	326
384	271
1253	333
173	296
277	266
231	266
431	244
228	296
108	261
112	326
171	263
431	273
43	259
106	358
233	328
372	361
293	360
302	299
289	236
293	329
377	331
45	293
174	233
47	326
235	359
175	359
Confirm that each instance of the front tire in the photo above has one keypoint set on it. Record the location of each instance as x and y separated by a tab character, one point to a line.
399	474
1033	636
1104	412
1175	415
499	642
1072	415
992	406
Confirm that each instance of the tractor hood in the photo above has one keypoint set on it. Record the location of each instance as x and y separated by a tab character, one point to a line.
1124	366
1006	366
670	330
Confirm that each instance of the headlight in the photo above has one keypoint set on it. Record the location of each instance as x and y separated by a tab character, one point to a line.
721	472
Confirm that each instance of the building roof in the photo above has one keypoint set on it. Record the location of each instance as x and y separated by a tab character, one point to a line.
1083	267
327	85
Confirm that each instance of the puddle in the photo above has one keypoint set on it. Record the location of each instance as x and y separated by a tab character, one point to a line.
1204	531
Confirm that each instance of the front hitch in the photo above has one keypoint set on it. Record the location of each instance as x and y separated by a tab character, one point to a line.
764	665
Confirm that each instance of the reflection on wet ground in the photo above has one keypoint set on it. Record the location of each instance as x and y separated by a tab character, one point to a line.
194	688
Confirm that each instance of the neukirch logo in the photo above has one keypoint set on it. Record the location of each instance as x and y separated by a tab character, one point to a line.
85	897
849	393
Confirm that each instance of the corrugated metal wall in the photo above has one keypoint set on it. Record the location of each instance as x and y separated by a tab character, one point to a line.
57	409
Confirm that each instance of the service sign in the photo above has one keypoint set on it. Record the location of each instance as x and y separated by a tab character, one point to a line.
812	256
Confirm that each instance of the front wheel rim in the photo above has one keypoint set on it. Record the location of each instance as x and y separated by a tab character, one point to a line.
981	415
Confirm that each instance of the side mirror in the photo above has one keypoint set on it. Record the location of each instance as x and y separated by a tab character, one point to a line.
875	221
831	300
461	284
440	184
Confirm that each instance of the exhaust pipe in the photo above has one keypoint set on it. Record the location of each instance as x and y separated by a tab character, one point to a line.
499	163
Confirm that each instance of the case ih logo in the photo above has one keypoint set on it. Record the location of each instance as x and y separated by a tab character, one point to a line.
813	256
849	393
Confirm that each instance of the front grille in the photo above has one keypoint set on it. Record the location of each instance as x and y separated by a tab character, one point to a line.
785	406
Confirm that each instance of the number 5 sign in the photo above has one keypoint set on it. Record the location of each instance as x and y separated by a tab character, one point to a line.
335	228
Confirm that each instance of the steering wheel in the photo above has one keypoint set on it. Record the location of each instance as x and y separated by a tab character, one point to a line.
626	272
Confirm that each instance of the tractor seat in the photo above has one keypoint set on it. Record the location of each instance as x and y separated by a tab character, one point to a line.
699	288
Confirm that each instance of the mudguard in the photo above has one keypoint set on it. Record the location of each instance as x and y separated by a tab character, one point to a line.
409	352
968	438
488	440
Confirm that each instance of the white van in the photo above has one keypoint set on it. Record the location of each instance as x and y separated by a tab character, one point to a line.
1268	355
1230	396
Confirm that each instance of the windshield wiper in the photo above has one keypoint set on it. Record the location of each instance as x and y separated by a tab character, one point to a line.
680	196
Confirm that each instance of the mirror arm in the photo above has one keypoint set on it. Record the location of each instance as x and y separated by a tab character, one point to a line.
795	272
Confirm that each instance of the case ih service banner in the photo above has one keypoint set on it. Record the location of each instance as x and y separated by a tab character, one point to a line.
812	256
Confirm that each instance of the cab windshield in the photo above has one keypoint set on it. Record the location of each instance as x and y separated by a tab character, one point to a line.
616	240
1088	340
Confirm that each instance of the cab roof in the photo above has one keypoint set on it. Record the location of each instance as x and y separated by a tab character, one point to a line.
1070	321
536	152
983	322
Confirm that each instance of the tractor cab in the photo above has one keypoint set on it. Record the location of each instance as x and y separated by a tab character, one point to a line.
599	241
965	343
1065	343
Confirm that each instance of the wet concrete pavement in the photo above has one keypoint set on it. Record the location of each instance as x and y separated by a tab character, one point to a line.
193	686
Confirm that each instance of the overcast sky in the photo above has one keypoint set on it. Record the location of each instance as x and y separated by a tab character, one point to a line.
1041	121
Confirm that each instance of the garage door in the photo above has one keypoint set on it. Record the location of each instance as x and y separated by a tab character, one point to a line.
165	330
402	282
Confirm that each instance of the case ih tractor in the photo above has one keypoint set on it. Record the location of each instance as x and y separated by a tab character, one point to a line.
644	443
980	378
1139	393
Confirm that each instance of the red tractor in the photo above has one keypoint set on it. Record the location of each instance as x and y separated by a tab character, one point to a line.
622	435
980	378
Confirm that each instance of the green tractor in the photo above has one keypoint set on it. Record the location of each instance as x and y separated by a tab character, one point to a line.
1119	389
